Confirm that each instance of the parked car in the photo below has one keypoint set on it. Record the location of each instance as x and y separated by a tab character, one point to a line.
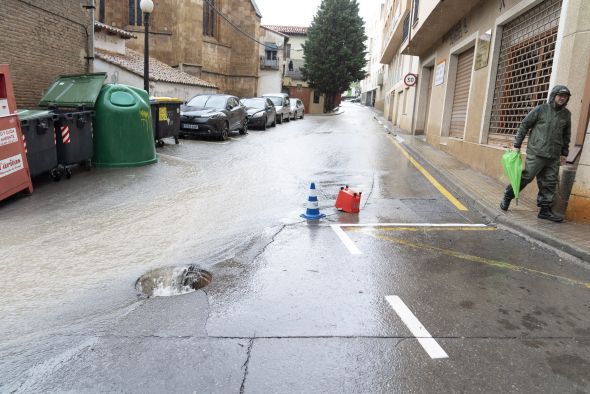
297	108
281	102
261	112
213	115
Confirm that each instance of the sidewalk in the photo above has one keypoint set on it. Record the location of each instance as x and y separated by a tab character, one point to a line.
484	193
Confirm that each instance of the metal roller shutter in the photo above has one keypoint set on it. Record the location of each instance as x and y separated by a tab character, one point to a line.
524	69
461	95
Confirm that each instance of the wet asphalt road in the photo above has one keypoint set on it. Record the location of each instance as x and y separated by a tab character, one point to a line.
290	308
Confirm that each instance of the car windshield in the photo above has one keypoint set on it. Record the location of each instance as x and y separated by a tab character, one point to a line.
217	102
293	102
254	102
276	100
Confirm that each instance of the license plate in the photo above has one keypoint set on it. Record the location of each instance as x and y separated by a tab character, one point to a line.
190	126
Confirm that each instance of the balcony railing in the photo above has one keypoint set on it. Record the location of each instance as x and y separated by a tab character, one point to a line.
295	71
269	64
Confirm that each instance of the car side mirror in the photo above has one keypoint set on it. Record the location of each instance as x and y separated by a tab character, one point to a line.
229	107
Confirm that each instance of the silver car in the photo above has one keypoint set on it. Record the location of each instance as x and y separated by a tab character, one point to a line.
282	105
297	109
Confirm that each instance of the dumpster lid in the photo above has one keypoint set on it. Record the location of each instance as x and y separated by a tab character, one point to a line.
154	100
74	90
30	114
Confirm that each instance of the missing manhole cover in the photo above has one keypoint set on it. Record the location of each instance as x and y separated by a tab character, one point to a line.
170	281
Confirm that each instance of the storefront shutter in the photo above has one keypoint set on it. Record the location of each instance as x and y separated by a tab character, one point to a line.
461	96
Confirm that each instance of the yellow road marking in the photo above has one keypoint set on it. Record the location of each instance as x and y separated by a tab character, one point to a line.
490	262
434	182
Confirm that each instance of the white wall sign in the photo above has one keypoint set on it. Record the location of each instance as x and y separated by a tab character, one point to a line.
439	73
8	136
11	165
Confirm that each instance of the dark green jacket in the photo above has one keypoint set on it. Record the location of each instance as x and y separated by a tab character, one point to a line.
550	129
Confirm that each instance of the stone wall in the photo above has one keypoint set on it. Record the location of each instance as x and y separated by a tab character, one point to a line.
40	41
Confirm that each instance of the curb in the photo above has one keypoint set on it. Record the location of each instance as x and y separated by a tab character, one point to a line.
496	217
490	213
332	114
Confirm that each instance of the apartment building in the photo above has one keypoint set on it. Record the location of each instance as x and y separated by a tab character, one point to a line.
399	74
372	85
272	61
484	64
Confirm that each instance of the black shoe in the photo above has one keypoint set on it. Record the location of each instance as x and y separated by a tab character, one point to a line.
505	203
547	213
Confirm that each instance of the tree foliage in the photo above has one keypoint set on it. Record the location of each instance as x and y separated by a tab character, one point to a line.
335	50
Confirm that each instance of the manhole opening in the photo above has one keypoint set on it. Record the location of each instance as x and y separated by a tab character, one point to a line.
171	281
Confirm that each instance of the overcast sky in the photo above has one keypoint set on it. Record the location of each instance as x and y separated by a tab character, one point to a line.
301	12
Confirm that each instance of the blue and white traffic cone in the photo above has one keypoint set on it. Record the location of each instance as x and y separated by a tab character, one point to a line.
313	208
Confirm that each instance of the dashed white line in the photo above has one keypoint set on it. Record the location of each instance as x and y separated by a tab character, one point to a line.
416	328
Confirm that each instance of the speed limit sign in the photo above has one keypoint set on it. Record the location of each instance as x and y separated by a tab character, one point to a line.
410	79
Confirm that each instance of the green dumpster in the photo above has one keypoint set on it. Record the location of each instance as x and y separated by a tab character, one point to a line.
123	134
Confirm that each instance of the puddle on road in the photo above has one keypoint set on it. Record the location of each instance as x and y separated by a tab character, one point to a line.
171	281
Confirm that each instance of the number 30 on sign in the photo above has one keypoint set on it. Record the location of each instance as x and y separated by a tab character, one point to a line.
410	79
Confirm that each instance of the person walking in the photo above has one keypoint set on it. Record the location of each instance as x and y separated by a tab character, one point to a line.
547	149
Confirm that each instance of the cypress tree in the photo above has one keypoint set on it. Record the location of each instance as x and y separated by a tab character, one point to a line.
335	50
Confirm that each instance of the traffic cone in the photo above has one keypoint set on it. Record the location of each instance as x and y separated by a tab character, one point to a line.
313	209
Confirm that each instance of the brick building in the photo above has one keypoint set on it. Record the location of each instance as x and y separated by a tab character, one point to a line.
41	40
194	37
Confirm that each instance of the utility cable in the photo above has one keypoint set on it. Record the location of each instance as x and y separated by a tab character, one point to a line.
235	26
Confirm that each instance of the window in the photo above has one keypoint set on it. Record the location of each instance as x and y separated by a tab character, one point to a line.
287	51
271	55
101	11
415	7
316	97
209	18
135	13
524	69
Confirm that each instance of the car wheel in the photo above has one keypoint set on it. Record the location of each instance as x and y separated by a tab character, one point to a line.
280	120
288	118
302	115
244	129
274	122
224	132
264	123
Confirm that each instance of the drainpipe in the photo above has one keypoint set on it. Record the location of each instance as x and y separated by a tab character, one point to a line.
90	54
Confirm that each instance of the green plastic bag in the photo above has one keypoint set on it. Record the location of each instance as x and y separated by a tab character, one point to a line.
512	164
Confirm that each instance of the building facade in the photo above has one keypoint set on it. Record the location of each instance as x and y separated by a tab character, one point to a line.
293	81
372	93
272	61
485	64
399	92
211	39
42	41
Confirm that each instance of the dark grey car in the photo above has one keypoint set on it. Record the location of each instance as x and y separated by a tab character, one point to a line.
261	112
212	115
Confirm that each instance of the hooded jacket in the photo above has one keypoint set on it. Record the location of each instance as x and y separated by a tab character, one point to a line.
550	128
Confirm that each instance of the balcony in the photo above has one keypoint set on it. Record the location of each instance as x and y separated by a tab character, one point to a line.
294	73
393	35
269	64
437	23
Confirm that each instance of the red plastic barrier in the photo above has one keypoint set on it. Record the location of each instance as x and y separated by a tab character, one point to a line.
348	200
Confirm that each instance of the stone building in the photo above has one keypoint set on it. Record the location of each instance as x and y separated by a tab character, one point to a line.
484	64
211	39
42	40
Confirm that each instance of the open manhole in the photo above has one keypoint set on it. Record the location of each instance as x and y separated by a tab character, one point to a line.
171	281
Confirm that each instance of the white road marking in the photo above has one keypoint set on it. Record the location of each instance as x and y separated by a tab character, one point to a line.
399	139
345	239
416	328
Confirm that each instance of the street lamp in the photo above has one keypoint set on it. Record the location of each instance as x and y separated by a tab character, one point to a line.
147	6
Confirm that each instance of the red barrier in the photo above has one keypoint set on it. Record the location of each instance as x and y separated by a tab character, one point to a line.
348	200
